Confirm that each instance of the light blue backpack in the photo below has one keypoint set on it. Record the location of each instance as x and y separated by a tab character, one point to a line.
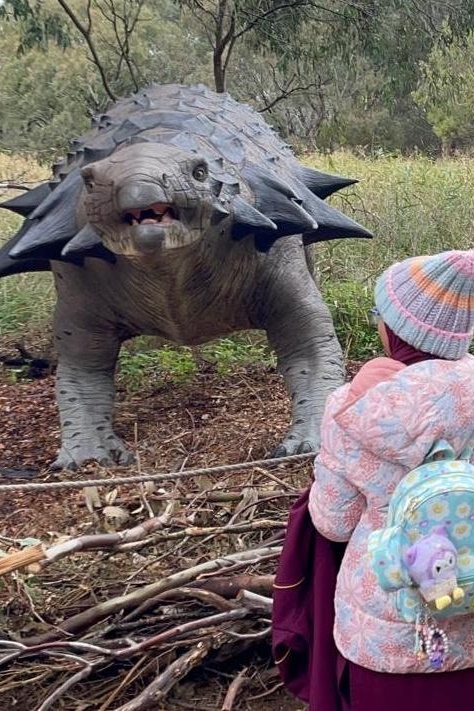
425	553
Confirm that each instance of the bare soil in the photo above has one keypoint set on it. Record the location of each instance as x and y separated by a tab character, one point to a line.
208	421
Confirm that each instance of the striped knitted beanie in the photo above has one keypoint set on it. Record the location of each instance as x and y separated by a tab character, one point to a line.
428	302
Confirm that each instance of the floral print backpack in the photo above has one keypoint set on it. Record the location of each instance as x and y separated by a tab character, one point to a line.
425	553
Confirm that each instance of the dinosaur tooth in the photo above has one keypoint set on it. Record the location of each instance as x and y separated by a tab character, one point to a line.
86	238
323	184
245	219
26	203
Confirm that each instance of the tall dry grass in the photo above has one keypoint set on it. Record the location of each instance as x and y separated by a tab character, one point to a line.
413	206
26	300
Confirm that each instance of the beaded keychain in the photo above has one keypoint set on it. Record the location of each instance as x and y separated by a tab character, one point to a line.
430	640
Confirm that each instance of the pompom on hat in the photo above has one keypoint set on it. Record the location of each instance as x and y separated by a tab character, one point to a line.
428	302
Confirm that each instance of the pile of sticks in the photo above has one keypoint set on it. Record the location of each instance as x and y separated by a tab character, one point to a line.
209	560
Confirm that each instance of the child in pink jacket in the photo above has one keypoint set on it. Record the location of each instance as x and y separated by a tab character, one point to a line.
373	432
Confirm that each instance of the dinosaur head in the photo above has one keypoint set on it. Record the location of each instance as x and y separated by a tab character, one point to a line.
148	197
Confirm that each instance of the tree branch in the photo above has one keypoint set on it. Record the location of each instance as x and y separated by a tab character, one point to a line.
86	32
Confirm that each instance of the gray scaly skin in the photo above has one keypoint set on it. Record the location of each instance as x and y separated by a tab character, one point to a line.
184	216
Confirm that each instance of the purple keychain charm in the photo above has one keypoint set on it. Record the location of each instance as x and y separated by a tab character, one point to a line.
431	641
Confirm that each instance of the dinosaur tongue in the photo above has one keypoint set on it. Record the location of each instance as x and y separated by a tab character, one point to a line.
166	217
157	213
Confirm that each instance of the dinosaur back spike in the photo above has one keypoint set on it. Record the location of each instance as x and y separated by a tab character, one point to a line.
57	227
323	184
65	192
26	203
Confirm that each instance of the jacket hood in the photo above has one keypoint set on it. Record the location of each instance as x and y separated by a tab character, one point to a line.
400	418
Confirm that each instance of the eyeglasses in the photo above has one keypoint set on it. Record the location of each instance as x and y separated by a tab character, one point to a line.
373	316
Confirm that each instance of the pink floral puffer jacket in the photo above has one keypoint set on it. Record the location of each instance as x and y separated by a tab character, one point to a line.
370	440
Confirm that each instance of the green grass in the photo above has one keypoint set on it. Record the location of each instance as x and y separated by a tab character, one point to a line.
143	364
413	206
26	300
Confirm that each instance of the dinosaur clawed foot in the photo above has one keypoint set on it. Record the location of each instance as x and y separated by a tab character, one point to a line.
292	444
107	451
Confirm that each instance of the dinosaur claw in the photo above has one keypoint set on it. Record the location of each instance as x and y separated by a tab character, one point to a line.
305	447
73	458
277	452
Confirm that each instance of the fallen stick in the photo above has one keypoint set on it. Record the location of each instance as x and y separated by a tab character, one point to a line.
162	685
229	587
97	613
102	541
20	559
234	688
74	679
256	602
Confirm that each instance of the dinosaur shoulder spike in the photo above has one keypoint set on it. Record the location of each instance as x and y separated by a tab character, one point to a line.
262	182
26	203
52	222
42	238
279	202
323	184
219	209
65	192
85	239
246	219
17	266
331	223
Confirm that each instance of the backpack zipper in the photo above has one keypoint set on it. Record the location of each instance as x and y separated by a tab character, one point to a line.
416	502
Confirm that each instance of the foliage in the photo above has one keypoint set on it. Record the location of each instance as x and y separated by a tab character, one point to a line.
229	352
349	303
48	93
137	368
446	89
328	73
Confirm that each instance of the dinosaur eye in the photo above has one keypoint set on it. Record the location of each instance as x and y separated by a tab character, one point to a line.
88	178
200	172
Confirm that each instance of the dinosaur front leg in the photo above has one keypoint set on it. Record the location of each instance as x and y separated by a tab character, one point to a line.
310	359
85	399
85	395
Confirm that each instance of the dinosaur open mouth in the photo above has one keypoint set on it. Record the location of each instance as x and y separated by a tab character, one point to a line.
158	213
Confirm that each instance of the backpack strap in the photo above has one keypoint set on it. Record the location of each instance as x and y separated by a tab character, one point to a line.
441	449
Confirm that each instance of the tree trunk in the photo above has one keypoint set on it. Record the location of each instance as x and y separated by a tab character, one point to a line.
219	72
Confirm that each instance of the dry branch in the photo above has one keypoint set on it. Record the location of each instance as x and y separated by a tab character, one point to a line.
233	690
98	542
160	687
88	618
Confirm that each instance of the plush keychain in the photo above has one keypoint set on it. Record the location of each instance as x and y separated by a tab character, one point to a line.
431	563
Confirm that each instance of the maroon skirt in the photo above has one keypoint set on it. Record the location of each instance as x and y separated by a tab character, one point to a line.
365	690
303	643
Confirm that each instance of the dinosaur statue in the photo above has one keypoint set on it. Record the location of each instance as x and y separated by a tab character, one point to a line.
181	214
